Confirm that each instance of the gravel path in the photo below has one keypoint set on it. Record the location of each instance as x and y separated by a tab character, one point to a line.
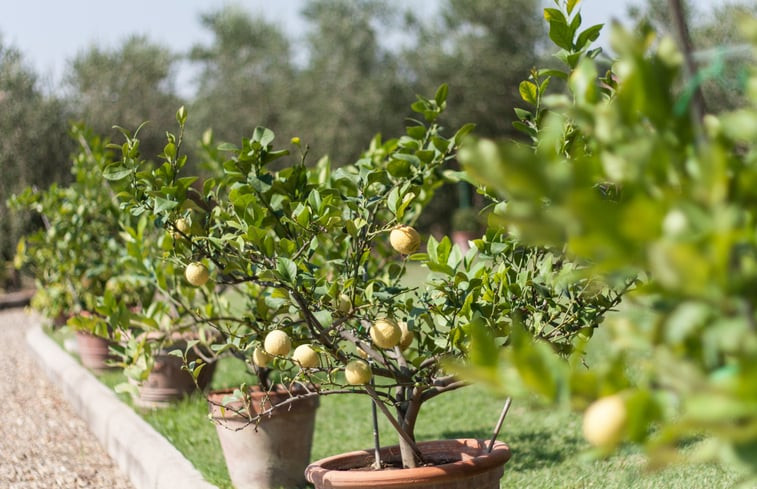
42	442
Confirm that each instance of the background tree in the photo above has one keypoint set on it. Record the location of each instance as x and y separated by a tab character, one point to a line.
125	86
34	145
719	49
480	49
245	75
349	88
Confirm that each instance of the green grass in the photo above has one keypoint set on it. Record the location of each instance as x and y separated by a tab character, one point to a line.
548	451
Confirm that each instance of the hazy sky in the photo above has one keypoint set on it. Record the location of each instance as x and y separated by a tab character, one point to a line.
50	32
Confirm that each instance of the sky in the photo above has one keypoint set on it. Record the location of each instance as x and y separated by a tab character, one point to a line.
51	32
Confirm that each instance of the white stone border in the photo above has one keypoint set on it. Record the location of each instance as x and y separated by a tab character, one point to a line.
147	458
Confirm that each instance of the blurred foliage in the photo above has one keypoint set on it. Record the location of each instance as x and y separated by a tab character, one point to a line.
245	75
623	176
719	49
73	256
34	145
124	86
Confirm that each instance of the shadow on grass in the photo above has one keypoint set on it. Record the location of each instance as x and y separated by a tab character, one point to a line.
531	450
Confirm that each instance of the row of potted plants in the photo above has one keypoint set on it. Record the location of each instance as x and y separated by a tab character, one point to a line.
299	267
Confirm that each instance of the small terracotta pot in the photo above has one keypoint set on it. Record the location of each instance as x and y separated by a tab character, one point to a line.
460	464
274	453
168	382
93	351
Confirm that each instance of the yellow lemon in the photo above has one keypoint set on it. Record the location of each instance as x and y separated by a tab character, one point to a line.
385	333
197	274
405	239
362	353
305	356
407	336
277	342
182	225
260	357
357	372
605	420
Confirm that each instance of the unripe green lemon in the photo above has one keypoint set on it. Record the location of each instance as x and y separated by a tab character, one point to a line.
277	342
357	372
197	274
605	421
260	357
344	304
305	356
407	336
385	333
405	239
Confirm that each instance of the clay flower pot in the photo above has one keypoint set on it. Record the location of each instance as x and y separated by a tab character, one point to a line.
94	351
454	464
168	382
274	453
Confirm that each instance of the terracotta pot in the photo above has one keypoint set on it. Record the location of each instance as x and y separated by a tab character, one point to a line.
167	381
274	454
460	464
93	351
461	239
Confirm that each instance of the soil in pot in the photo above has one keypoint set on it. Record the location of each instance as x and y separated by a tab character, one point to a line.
451	464
274	453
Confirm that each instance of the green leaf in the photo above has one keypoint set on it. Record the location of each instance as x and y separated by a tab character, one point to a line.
483	349
571	5
116	172
287	269
523	114
399	168
559	30
263	135
528	91
227	147
463	131
589	35
551	72
525	129
441	94
162	204
324	317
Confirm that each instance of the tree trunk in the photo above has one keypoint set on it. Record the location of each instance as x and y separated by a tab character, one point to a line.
407	413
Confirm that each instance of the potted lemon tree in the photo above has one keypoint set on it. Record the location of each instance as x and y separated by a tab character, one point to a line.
322	253
73	254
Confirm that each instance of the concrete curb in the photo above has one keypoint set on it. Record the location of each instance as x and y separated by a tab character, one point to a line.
147	458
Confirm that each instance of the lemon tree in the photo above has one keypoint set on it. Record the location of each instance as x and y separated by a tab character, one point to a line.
74	252
318	254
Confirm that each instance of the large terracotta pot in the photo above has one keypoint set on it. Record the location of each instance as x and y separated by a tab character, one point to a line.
94	351
168	382
457	464
274	454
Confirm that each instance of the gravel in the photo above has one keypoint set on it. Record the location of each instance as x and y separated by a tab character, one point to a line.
43	444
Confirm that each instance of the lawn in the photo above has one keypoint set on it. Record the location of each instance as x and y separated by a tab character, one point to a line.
548	451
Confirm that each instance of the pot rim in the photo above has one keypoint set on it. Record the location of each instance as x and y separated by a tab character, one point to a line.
474	460
261	400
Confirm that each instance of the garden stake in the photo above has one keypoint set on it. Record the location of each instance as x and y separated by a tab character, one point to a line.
501	420
376	442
